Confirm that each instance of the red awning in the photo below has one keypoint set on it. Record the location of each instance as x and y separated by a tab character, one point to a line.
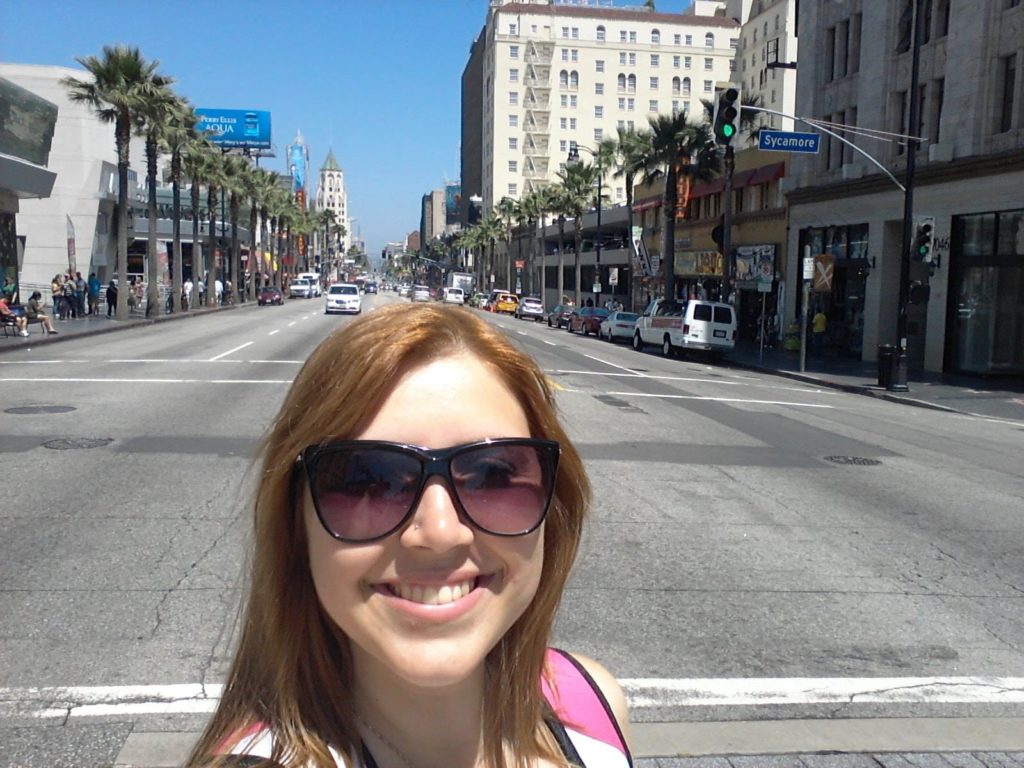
742	178
710	188
643	205
767	173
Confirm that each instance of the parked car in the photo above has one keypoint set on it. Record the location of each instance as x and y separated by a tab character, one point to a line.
420	293
453	296
269	295
477	300
709	326
531	308
314	280
343	297
558	317
405	290
300	288
586	320
506	302
618	325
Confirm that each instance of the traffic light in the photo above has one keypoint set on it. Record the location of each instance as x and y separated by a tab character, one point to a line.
921	245
726	119
918	292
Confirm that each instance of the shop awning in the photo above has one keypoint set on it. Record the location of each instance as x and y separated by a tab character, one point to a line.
708	188
767	173
742	178
643	205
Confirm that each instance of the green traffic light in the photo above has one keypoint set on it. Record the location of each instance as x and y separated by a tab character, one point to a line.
727	131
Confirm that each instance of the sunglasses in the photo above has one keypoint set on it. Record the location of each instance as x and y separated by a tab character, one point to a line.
364	490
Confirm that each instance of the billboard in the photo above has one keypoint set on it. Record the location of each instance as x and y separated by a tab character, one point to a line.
26	123
452	200
236	128
297	160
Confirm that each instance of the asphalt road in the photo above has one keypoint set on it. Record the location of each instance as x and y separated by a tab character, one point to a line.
842	571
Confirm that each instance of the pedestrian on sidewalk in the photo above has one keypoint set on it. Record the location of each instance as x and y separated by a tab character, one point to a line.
187	289
57	294
112	297
819	326
68	296
34	312
19	320
94	294
81	291
402	599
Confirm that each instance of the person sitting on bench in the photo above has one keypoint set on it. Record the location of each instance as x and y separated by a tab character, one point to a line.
34	313
20	322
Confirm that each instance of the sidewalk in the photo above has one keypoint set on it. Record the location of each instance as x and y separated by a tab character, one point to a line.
93	325
991	397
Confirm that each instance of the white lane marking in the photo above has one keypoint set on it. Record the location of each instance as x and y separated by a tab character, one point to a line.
146	381
620	367
836	690
719	399
641	693
634	375
225	354
39	362
291	323
277	362
277	330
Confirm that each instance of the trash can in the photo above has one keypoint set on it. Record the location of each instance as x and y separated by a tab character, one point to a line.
886	364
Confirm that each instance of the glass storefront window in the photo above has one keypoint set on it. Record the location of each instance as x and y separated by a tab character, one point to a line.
979	232
1011	234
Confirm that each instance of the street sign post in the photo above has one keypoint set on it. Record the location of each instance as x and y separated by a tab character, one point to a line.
789	141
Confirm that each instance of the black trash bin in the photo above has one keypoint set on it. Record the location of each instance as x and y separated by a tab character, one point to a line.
886	364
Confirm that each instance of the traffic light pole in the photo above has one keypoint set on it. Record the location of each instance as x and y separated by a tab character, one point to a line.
898	382
727	266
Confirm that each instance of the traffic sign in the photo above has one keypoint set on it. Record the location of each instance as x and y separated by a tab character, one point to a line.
789	141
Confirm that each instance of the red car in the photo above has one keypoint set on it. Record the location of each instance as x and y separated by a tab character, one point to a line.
587	319
269	295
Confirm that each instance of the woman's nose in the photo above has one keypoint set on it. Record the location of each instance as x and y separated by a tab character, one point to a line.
436	523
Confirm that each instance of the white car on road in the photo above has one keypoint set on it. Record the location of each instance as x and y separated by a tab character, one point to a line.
343	297
300	288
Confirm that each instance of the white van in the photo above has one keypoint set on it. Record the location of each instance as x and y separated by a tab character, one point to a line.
314	280
709	326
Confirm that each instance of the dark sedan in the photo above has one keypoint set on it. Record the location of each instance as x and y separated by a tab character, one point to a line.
269	295
587	320
370	288
559	316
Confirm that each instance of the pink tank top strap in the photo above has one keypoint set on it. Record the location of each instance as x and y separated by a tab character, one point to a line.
577	702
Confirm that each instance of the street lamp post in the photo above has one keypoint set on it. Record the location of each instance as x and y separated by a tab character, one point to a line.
573	159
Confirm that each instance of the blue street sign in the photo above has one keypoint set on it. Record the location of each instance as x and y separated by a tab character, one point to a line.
789	141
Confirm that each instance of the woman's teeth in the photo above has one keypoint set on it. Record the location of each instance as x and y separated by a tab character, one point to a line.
448	593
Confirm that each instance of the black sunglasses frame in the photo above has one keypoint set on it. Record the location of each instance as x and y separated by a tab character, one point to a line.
436	461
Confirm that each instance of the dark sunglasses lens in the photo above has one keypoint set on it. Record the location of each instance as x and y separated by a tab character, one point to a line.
364	493
505	489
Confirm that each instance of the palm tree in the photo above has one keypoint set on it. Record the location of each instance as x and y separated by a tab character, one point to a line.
177	137
160	110
578	182
122	83
678	148
492	228
194	158
628	157
506	211
212	172
559	209
260	186
236	172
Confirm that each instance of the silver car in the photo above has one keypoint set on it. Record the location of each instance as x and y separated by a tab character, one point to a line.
530	308
420	293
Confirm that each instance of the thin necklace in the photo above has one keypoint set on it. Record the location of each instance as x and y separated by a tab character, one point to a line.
387	742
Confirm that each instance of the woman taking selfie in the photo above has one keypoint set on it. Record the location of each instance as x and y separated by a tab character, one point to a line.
418	513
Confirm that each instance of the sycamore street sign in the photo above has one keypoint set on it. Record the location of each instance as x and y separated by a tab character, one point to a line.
789	141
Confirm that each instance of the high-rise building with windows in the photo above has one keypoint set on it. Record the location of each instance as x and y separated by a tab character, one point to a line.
331	195
552	74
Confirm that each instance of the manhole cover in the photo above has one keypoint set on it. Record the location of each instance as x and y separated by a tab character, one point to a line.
859	461
22	409
71	443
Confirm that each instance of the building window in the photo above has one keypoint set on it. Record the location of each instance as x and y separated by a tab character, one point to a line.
904	27
565	31
599	89
622	36
562	145
676	86
563	79
709	40
513	143
599	65
619	193
709	86
513	75
513	121
938	95
572	123
513	190
563	123
687	62
654	83
734	43
572	101
574	80
655	60
1009	75
565	54
630	126
652	106
598	135
632	59
513	97
675	106
632	37
853	46
686	86
655	37
513	166
709	64
631	84
622	58
622	103
942	19
513	51
598	111
513	29
600	34
621	83
621	124
574	54
630	104
689	40
575	33
564	100
677	39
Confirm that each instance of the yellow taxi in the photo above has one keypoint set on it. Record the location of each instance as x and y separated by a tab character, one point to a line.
506	302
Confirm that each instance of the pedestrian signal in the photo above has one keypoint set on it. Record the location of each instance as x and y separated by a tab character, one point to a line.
921	247
726	120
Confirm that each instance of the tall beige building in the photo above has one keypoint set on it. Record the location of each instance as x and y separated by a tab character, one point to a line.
556	73
331	195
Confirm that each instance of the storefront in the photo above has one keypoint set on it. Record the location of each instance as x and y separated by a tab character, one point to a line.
985	309
842	296
698	274
755	286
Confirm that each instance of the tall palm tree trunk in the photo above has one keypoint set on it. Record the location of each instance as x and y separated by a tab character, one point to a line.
236	257
561	259
577	246
668	232
123	138
211	277
634	257
153	287
176	275
255	262
197	247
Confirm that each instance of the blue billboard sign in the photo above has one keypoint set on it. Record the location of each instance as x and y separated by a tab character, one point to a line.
236	128
788	141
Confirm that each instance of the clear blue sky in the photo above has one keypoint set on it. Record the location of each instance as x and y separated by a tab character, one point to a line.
379	80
